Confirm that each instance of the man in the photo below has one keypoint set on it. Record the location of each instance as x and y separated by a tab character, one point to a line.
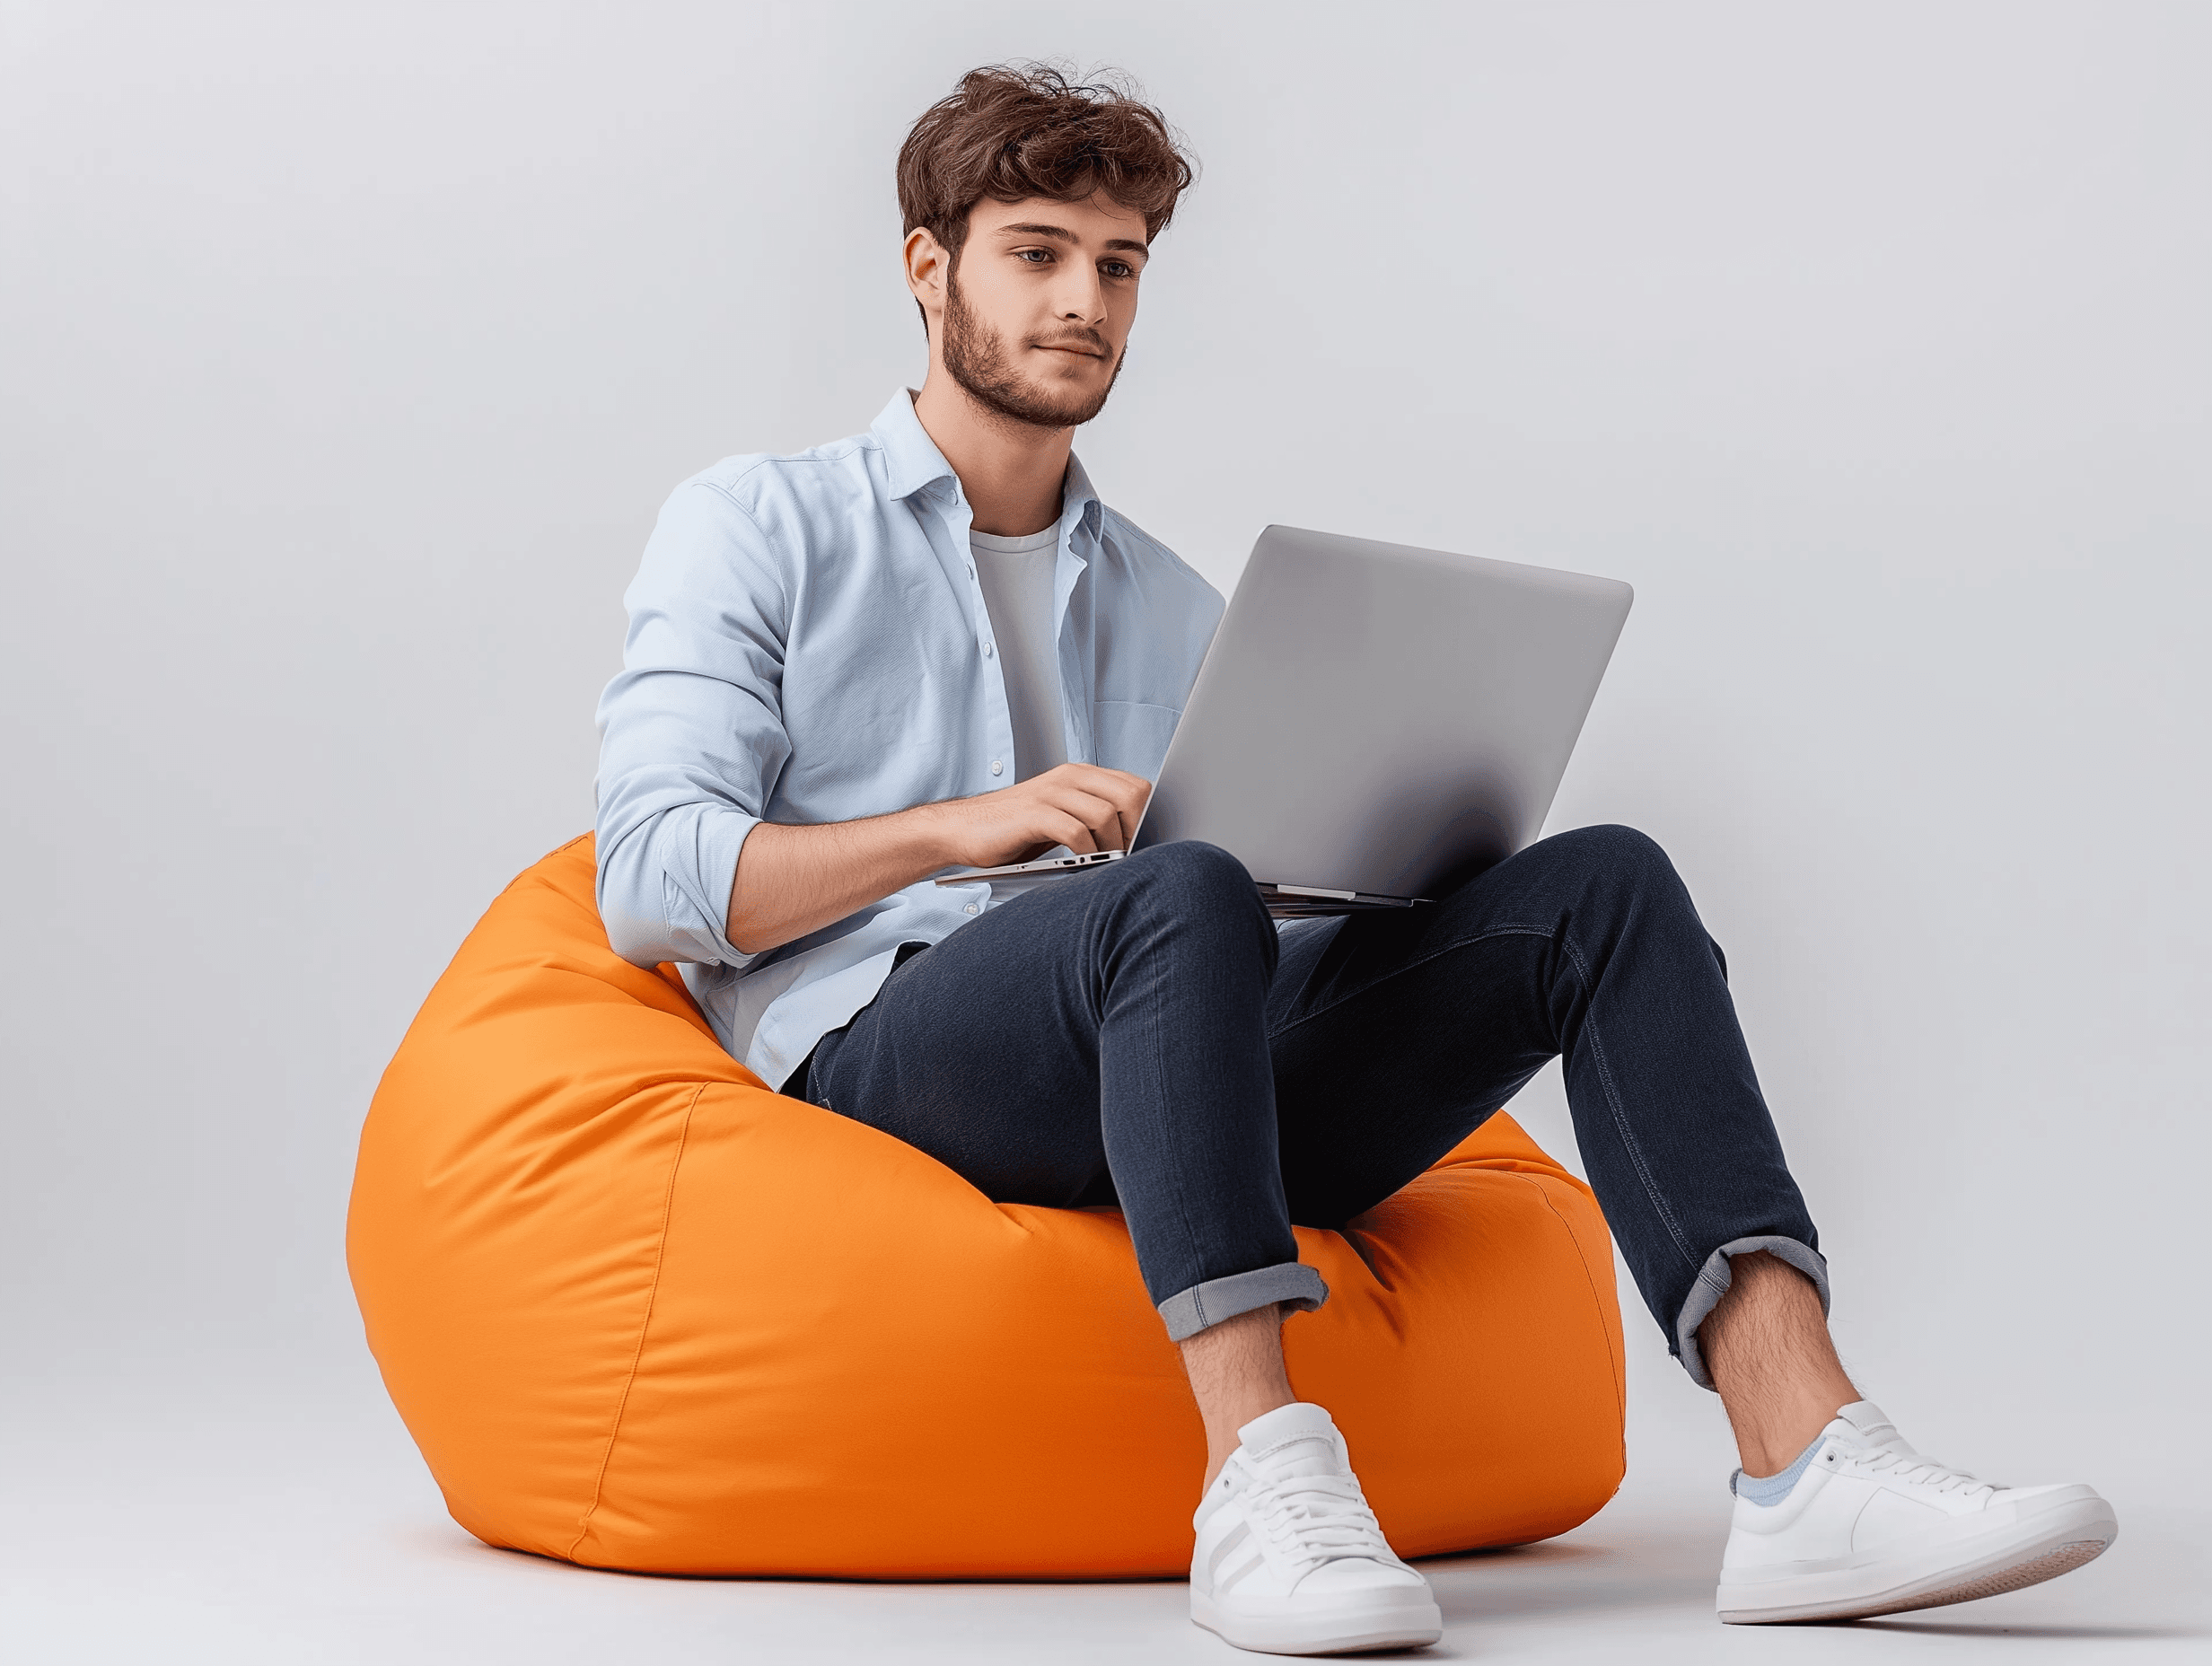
932	646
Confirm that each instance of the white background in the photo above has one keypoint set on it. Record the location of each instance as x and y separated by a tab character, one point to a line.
350	350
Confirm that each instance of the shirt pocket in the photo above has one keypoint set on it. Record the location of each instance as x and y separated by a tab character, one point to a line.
1132	736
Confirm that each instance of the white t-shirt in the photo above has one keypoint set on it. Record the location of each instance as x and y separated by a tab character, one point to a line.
1016	575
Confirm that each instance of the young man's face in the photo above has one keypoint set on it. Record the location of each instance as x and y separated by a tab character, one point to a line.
1033	316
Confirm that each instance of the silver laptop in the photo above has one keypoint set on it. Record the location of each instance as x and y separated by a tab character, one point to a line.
1373	721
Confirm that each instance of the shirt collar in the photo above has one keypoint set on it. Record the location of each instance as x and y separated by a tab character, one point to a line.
1079	500
909	455
914	462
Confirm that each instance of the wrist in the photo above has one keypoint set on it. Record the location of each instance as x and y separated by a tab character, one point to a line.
933	835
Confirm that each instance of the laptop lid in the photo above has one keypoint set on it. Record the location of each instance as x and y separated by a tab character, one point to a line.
1373	717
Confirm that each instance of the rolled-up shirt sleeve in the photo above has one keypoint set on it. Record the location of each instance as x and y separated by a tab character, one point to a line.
691	732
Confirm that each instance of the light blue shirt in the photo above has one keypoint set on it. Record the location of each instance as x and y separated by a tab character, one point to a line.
809	642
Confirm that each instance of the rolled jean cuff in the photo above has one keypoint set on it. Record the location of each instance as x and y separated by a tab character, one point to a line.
1292	1282
1713	1281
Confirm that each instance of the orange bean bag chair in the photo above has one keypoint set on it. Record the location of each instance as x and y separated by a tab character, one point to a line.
640	1312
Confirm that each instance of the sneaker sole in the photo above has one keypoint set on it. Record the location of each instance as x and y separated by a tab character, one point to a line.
1407	1625
2057	1543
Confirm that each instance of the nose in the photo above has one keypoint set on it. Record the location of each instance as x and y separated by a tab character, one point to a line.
1081	298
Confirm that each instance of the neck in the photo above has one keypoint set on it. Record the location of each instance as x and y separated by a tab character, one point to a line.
1011	472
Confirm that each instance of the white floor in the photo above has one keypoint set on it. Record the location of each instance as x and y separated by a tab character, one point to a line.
305	1530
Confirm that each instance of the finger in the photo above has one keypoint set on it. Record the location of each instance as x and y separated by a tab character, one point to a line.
1128	794
1070	786
1128	791
1064	817
1098	777
1069	830
1094	810
1133	811
1100	815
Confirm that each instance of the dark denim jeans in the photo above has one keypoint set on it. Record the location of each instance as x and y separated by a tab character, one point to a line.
1141	1034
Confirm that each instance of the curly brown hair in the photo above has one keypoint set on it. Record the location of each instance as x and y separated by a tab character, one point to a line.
1012	131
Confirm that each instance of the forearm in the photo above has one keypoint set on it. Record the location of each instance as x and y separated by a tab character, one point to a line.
795	880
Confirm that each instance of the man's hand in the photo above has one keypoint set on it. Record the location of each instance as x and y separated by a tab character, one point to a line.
1082	806
795	880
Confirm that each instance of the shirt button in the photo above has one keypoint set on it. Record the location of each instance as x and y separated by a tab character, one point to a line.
996	768
971	909
987	650
972	572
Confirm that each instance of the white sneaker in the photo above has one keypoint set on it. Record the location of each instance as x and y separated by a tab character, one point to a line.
1872	1527
1289	1558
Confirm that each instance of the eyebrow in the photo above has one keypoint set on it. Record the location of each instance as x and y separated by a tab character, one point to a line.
1060	233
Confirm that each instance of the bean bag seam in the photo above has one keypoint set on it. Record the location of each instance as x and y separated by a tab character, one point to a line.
1621	1392
645	1326
531	876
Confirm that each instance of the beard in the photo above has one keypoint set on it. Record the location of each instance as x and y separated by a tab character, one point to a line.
976	357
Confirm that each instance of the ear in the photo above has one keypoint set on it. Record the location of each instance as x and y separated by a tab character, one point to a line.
927	262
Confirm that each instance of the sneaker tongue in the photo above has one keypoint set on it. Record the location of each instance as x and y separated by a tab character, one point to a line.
1304	1434
1867	1424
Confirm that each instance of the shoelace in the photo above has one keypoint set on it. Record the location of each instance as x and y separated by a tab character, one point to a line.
1917	1467
1314	1519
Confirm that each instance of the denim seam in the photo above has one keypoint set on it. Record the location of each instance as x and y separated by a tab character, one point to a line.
1398	972
1620	1116
1605	1077
1159	1098
1281	1273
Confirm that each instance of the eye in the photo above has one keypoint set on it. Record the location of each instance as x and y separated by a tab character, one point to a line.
1117	269
1034	257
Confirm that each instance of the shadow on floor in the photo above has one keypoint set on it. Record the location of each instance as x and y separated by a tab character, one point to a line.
2074	1634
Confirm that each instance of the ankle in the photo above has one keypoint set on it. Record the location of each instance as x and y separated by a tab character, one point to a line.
1775	1440
1223	1422
1236	1374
